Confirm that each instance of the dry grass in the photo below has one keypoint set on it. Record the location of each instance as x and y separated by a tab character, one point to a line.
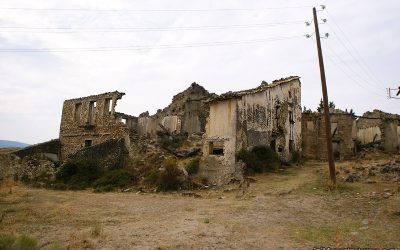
289	210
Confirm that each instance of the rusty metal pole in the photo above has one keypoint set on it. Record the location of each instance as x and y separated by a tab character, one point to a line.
332	171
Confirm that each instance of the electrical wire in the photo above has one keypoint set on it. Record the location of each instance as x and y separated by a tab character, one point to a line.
151	10
21	29
141	47
350	68
350	77
364	66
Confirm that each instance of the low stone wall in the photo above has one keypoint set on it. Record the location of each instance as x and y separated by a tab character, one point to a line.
110	154
49	147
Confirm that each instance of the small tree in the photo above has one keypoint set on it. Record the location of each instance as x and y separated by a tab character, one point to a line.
320	106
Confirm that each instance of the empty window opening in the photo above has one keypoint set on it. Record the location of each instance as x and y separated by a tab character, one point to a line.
291	117
217	148
108	106
280	149
77	114
272	145
291	146
92	112
88	143
123	121
334	127
290	94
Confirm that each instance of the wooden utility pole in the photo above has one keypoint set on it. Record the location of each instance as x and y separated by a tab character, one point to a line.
332	171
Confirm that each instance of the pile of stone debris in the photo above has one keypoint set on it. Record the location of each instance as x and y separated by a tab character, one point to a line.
372	172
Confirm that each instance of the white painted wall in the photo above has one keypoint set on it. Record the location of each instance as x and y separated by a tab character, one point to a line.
366	135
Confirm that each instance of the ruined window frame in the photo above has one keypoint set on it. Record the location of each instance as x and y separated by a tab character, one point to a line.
216	150
108	106
92	112
88	143
77	111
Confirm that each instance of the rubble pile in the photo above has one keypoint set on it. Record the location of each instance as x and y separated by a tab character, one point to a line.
371	173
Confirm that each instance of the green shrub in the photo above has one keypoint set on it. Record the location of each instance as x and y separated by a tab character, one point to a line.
26	242
23	242
259	159
171	178
295	157
78	173
152	177
172	142
118	178
7	241
193	166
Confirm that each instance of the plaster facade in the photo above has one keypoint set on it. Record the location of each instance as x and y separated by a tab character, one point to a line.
267	115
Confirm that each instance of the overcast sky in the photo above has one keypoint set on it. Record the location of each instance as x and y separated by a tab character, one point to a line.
222	45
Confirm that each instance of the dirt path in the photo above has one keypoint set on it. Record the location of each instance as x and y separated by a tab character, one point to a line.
289	210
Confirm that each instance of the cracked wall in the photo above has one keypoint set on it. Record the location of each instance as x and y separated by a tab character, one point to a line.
267	115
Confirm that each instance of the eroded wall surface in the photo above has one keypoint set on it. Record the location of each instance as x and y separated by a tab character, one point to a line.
219	146
271	117
91	120
186	114
267	115
380	127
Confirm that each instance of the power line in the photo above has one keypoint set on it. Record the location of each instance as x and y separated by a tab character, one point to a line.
21	29
350	77
362	65
350	68
141	47
151	10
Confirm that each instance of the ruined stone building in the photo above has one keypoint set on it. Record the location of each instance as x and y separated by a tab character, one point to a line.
92	120
343	132
375	127
186	114
267	115
380	128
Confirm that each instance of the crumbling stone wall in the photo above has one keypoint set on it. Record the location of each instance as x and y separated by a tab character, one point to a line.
110	154
379	127
266	115
92	120
49	147
185	115
314	136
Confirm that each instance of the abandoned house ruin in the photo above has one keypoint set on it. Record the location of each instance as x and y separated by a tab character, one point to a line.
92	120
379	128
267	115
372	128
186	114
343	133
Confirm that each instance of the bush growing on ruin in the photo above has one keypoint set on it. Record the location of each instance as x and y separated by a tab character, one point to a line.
78	173
296	157
117	178
193	166
172	178
169	141
152	177
259	159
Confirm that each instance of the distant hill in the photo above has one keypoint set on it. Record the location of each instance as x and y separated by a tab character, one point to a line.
12	144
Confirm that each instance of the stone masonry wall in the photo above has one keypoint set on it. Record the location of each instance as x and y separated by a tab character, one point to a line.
89	121
314	136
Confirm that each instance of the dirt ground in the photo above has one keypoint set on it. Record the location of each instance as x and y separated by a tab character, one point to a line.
292	209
